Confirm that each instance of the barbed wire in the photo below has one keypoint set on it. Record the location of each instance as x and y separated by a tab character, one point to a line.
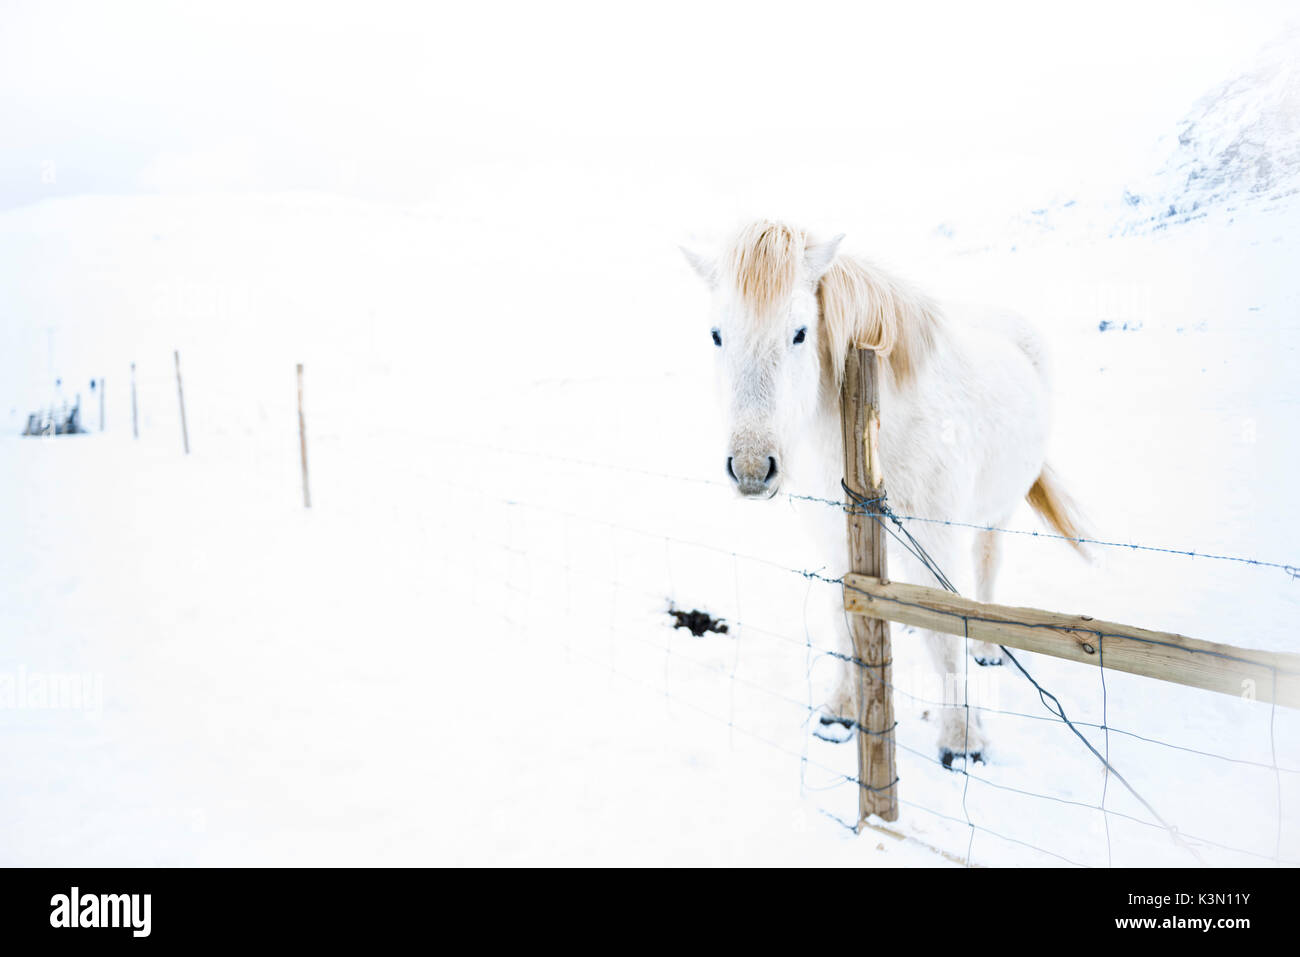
1292	570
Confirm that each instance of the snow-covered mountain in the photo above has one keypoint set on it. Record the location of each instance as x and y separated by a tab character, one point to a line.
1239	144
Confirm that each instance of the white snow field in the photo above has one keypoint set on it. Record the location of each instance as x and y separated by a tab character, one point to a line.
461	654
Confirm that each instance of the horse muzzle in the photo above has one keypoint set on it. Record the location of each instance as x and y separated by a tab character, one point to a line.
755	475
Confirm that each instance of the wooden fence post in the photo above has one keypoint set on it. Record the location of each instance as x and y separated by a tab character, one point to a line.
302	443
860	422
180	394
135	419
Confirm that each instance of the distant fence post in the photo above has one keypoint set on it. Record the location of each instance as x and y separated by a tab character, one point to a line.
135	419
302	443
180	394
860	423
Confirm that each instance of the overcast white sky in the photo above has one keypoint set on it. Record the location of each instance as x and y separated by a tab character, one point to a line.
383	100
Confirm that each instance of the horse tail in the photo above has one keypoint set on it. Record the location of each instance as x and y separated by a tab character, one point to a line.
1054	505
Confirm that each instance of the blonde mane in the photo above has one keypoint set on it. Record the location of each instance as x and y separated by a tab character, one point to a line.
863	306
859	304
763	263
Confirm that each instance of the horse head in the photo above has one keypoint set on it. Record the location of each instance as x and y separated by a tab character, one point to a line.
764	326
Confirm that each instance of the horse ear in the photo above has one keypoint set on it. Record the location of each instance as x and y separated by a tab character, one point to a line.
704	267
819	257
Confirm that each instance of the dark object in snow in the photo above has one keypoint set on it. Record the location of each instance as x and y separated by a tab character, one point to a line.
834	730
992	661
698	622
946	755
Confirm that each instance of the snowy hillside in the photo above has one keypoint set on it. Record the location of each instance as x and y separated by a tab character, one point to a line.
1237	147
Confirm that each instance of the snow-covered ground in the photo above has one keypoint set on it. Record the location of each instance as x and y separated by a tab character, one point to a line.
461	653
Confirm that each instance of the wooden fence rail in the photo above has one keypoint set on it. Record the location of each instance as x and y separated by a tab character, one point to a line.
1243	672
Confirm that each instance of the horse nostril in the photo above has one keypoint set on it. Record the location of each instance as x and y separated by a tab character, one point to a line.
771	470
731	471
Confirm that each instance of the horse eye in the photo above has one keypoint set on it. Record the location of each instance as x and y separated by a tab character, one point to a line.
798	336
717	337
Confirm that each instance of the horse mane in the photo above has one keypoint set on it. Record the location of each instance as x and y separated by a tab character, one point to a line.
860	304
863	306
763	264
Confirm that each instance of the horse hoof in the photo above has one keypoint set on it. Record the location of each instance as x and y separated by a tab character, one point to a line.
946	756
986	653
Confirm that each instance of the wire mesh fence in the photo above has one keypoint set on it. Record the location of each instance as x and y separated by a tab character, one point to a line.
1089	768
1208	806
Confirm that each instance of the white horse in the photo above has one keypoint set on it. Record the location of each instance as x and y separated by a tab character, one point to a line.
964	418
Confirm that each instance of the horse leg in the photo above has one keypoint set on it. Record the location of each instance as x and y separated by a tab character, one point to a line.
836	723
961	734
988	556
